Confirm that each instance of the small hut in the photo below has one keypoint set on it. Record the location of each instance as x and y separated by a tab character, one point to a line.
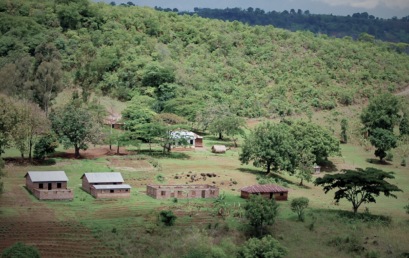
219	149
317	169
268	191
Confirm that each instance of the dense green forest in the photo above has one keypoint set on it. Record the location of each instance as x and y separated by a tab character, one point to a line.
391	30
181	63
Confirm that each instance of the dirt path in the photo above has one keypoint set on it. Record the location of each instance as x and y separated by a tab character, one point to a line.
405	92
93	153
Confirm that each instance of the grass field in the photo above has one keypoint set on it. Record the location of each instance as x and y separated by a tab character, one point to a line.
123	227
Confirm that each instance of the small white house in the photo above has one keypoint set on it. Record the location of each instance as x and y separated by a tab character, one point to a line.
317	169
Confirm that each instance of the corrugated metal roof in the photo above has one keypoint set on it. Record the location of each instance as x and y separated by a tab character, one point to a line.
111	177
263	189
47	176
110	187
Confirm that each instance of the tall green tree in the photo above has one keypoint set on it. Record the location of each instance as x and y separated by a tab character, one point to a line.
122	139
76	127
45	145
149	132
316	139
344	129
383	140
359	186
270	145
8	121
404	124
382	112
304	168
261	211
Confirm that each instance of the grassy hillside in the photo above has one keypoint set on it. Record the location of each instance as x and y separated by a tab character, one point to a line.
258	71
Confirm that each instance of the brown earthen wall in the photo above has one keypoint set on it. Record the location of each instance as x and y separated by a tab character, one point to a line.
43	195
199	142
277	196
86	185
183	148
29	184
118	193
194	193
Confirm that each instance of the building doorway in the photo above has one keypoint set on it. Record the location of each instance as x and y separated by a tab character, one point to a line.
203	194
49	186
271	195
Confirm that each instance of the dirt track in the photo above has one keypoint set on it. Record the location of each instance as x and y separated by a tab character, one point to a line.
93	153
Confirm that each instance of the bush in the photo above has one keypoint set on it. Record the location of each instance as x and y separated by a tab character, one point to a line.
373	254
389	156
168	218
298	205
194	253
266	247
150	227
403	163
20	250
175	200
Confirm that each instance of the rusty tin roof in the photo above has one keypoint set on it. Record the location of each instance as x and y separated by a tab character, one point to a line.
263	189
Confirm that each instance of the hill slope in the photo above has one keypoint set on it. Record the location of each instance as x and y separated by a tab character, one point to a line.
128	51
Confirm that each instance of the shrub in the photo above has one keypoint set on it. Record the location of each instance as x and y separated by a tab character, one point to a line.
168	217
266	247
20	250
175	200
150	227
403	163
389	156
298	205
194	253
373	254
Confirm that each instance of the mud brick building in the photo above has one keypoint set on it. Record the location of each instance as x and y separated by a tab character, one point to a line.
105	185
279	193
182	191
49	185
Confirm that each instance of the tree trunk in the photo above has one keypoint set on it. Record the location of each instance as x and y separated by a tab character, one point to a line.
355	210
235	143
261	230
110	145
150	146
220	136
22	155
301	181
29	153
117	150
77	151
268	168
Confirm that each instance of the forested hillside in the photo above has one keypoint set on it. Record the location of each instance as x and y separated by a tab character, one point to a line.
391	30
182	63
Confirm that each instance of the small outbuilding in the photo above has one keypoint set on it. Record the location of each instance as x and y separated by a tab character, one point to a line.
219	149
49	185
317	169
105	185
268	191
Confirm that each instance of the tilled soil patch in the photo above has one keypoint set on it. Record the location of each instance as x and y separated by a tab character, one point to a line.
54	239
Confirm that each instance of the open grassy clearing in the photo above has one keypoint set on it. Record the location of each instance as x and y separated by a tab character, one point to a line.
129	217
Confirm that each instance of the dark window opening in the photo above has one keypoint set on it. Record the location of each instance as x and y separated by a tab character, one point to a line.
127	190
281	194
191	141
114	183
111	191
58	185
41	186
95	183
163	193
49	186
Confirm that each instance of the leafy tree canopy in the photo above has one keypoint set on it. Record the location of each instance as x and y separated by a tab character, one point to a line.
261	211
359	186
382	112
315	138
270	145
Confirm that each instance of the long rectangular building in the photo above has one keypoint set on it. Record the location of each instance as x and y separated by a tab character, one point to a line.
182	191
